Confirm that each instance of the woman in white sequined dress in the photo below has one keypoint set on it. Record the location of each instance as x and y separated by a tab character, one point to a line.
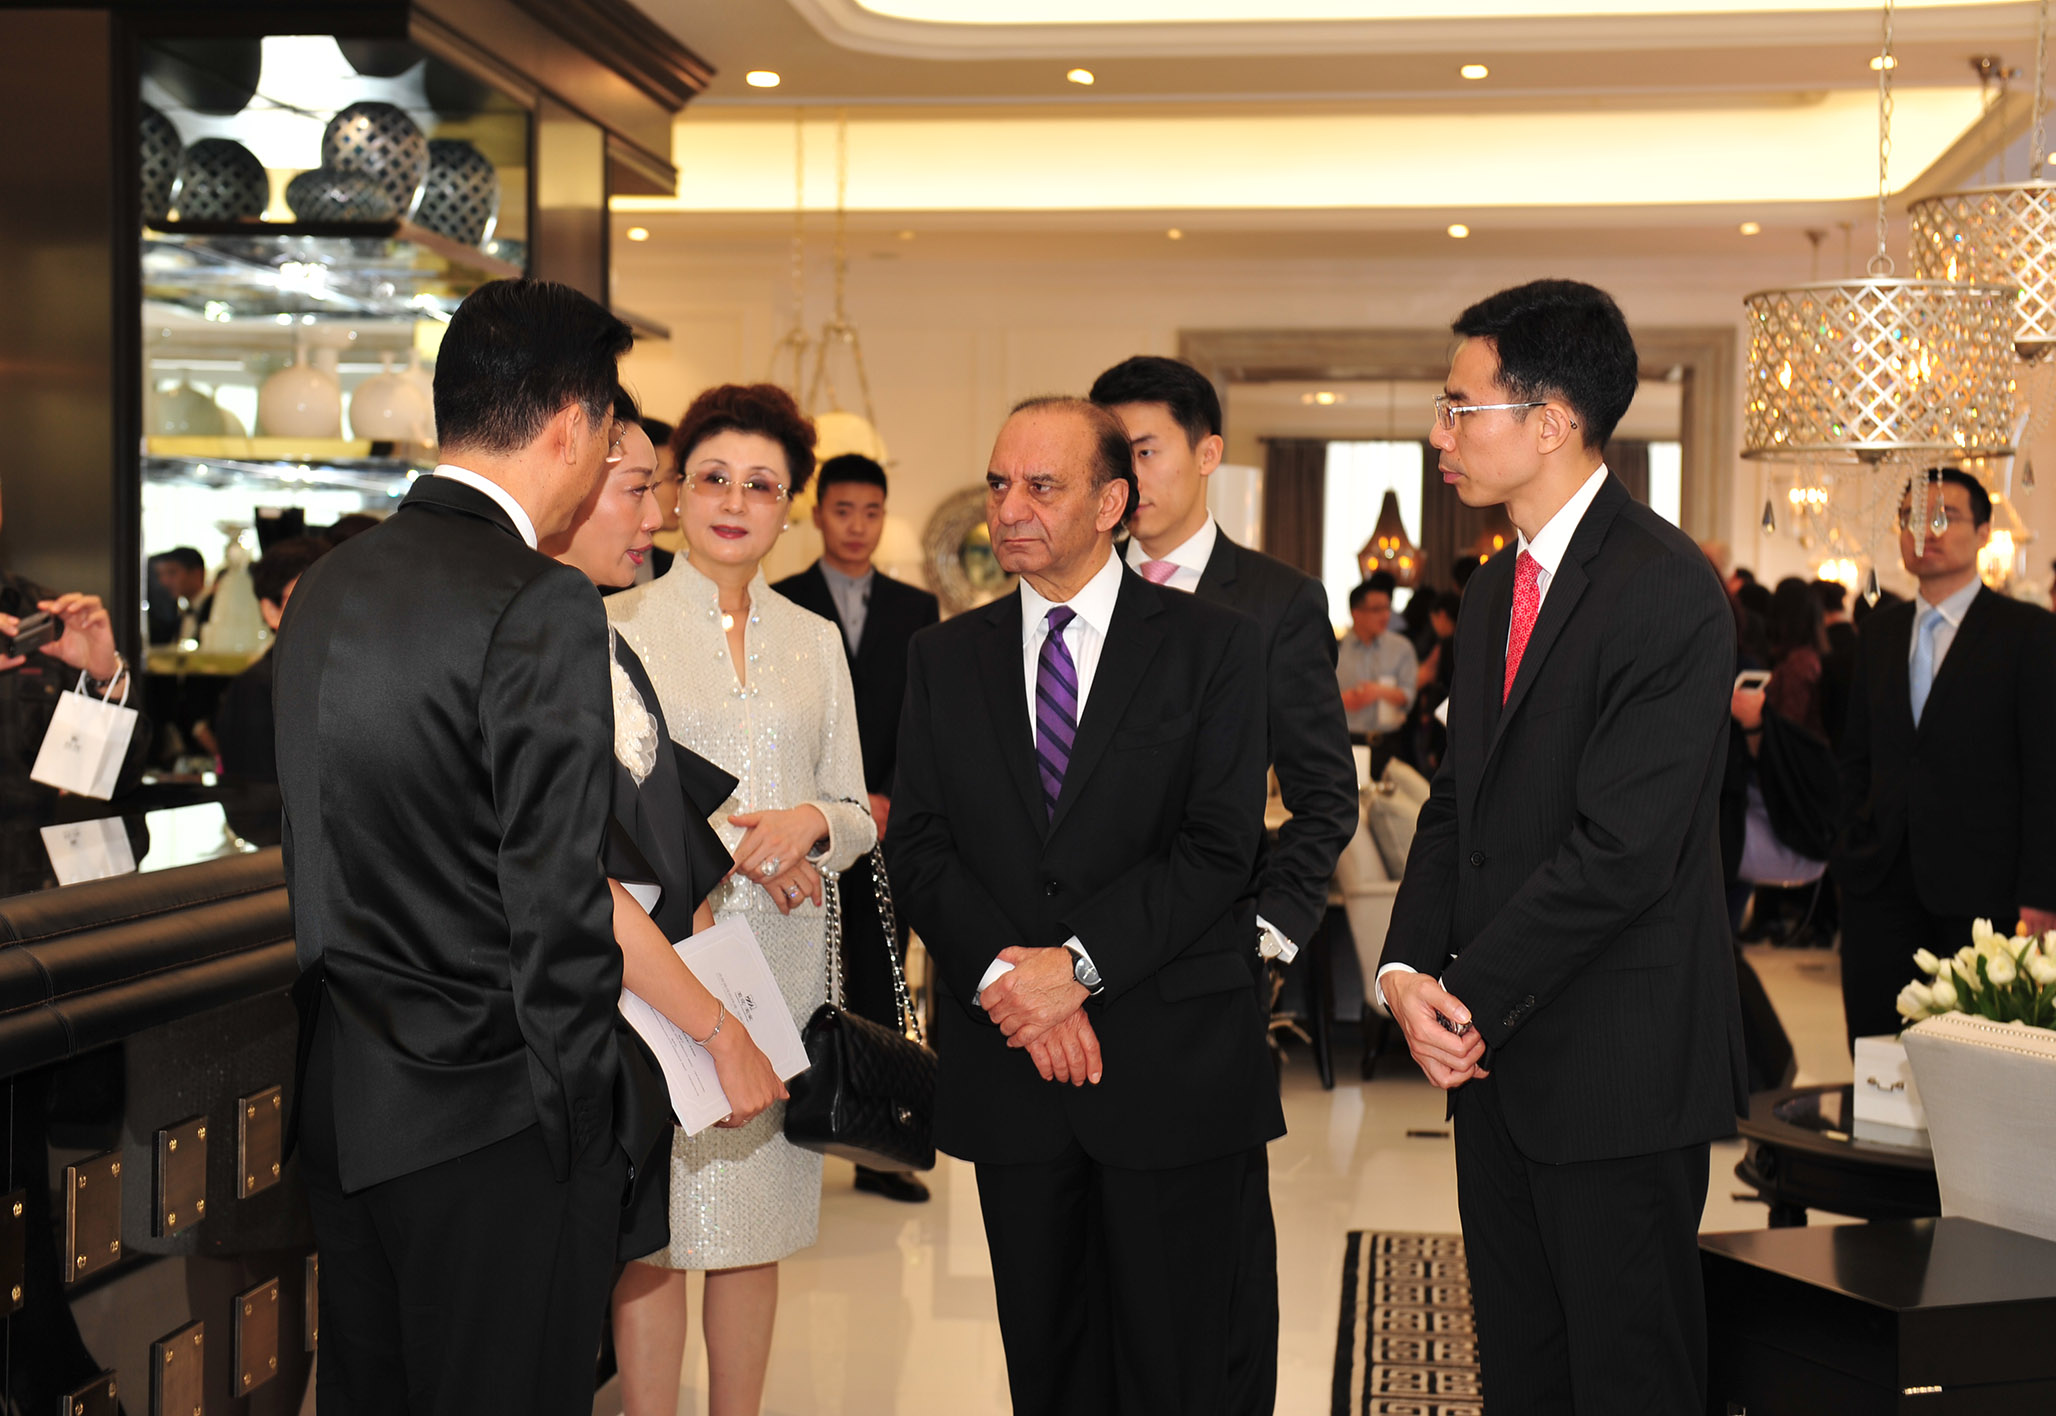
761	688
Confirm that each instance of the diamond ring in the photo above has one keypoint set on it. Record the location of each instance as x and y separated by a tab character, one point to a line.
792	894
769	868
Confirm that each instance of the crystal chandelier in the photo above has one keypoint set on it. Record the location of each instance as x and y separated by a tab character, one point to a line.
1880	368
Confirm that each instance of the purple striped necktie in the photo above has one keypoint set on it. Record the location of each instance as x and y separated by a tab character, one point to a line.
1056	708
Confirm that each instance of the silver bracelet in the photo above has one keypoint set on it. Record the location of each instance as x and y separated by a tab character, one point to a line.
720	1017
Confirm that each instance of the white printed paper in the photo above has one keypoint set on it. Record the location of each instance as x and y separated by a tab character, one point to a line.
728	961
86	744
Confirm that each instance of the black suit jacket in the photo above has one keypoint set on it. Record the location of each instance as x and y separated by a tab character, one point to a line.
445	754
878	670
1968	792
1147	861
1568	855
1308	735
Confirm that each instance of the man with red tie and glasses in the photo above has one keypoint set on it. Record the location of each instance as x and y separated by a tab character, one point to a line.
1559	954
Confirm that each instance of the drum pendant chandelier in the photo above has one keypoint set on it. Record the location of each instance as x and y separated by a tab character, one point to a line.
1880	368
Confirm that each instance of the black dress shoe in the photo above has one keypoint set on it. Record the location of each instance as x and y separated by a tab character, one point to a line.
893	1184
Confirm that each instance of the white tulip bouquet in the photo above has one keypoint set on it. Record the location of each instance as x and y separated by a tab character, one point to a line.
2006	980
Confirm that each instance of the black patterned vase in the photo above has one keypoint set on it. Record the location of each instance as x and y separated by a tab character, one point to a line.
161	151
382	141
325	194
461	198
220	180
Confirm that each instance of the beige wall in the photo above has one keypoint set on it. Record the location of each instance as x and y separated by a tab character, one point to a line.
951	341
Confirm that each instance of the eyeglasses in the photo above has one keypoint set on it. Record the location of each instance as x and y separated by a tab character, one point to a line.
757	488
1446	412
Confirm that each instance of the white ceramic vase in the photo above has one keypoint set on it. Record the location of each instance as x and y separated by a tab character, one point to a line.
301	401
1989	1092
423	378
185	412
391	407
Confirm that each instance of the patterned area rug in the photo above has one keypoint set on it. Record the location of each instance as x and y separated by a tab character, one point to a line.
1406	1344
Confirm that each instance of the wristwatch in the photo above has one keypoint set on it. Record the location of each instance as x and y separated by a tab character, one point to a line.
1084	970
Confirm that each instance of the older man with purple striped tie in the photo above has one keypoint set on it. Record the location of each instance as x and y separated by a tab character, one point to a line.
1079	802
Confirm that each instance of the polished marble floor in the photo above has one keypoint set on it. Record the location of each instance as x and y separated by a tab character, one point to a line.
892	1311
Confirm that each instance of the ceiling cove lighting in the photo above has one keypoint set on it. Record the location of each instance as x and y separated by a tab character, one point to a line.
1175	234
1751	228
1048	13
637	233
1459	231
1080	76
761	78
1474	71
1879	62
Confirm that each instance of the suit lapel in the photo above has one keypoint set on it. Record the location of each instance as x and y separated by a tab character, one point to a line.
1566	588
1970	635
1124	661
1220	569
1006	693
1480	669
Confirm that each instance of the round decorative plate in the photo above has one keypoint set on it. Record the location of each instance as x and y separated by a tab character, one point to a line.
461	198
962	570
220	180
161	151
325	194
381	140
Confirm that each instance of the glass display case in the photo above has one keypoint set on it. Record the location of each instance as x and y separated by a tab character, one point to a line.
313	210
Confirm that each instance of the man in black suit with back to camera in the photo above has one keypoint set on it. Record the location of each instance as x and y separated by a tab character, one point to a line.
1075	824
1173	418
1947	762
876	616
472	1105
1559	954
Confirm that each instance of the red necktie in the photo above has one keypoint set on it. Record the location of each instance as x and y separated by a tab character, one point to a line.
1527	604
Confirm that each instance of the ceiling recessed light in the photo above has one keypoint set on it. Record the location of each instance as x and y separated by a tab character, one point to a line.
1474	71
761	78
1750	228
906	235
638	233
1883	61
1175	234
1459	230
1326	399
1080	76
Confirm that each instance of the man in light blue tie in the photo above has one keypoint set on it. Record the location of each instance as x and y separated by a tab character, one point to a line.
1947	764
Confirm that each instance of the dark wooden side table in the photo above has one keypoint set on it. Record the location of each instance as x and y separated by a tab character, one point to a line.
1805	1151
1922	1317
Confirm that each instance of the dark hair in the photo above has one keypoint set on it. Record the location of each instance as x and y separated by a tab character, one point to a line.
1980	499
850	467
183	556
1744	574
625	408
355	524
1794	621
1832	594
1440	603
1151	378
1111	460
1756	599
515	353
1378	582
285	562
658	429
1561	338
765	410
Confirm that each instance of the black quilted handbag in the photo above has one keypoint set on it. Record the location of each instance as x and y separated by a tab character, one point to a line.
868	1094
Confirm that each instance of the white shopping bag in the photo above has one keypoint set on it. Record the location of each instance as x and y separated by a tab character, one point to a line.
87	742
89	850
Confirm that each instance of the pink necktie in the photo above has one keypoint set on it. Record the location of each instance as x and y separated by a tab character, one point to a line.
1527	604
1159	572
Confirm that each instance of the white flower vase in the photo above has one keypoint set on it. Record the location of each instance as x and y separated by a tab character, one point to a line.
1989	1091
391	407
423	378
301	401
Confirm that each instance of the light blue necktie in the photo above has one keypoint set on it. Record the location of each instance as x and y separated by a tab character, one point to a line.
1924	661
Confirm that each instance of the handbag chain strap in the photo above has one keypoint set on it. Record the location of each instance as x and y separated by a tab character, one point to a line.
831	952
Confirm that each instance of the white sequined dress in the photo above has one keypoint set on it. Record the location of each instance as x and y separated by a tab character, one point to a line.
789	736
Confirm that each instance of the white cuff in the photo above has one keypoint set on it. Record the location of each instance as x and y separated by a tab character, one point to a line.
1271	942
993	971
1378	987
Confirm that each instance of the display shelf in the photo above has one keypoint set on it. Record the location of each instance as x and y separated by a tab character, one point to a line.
220	663
227	271
381	476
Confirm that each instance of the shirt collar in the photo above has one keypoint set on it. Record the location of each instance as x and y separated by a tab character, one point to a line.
836	577
1954	607
498	493
1094	603
1554	539
1193	554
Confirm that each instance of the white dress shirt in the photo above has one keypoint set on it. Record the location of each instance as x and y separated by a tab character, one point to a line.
1548	548
1953	608
1084	636
1190	558
494	490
